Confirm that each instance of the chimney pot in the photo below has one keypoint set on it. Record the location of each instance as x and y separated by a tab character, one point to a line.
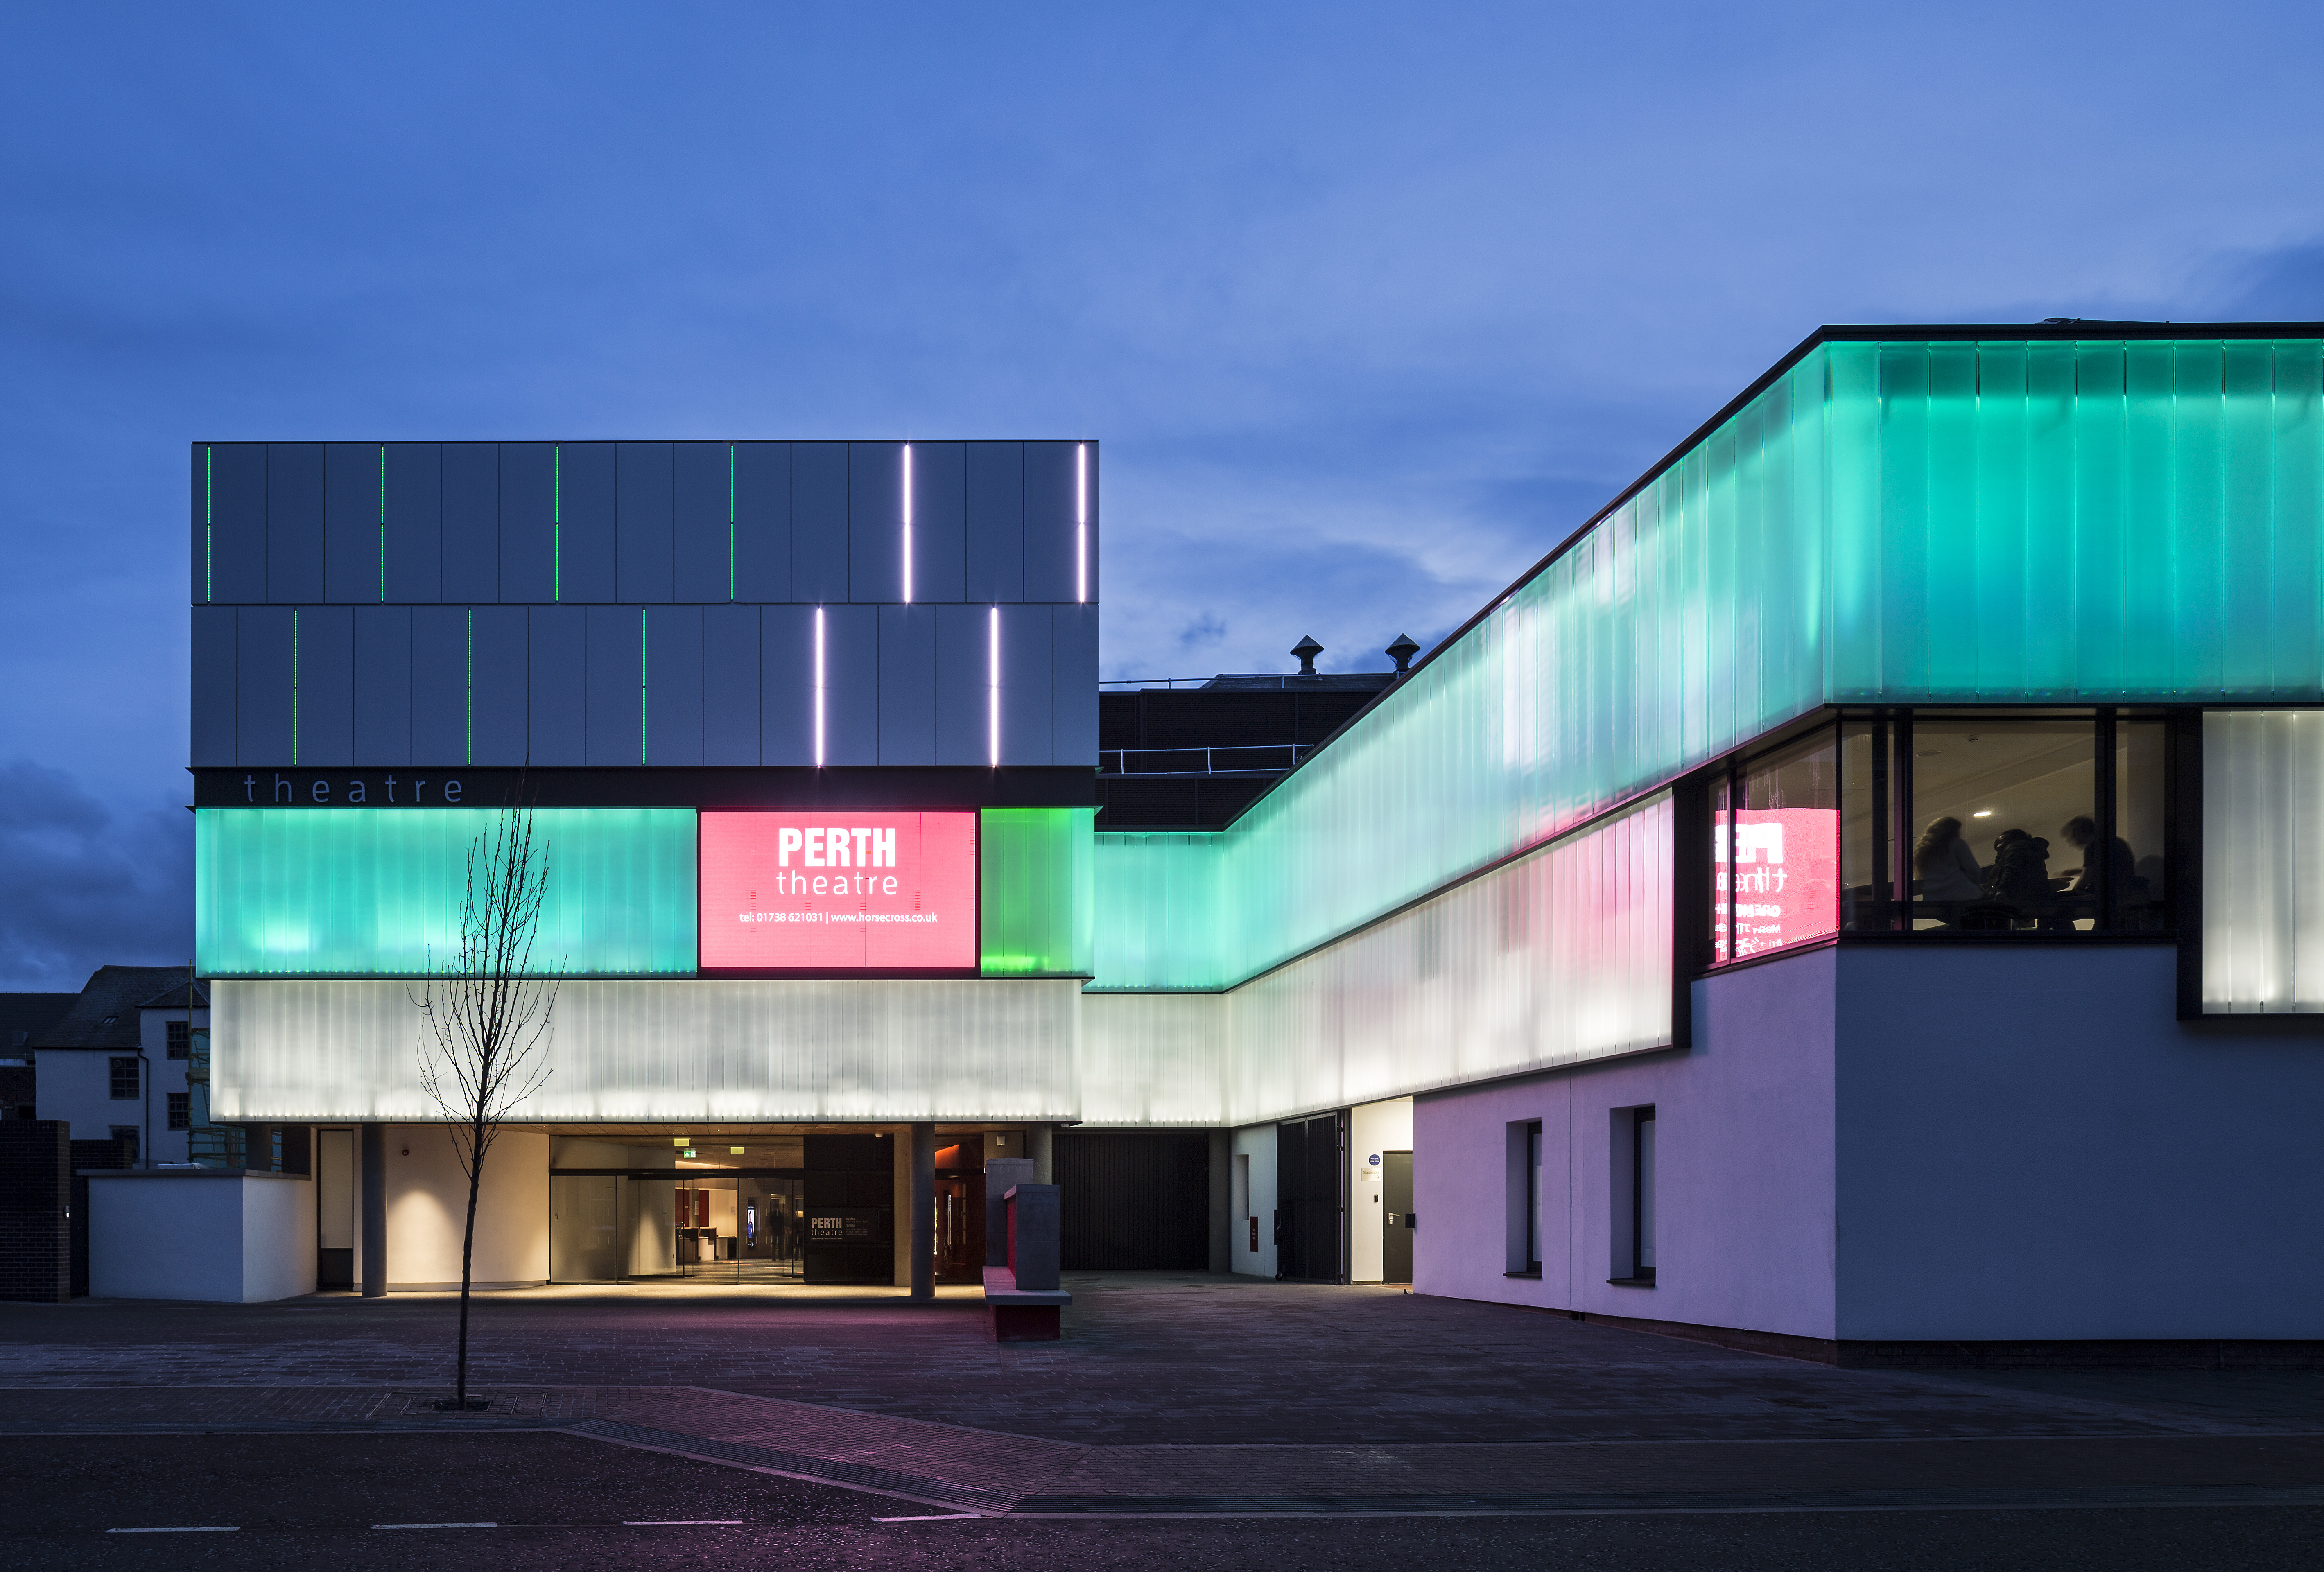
1401	652
1308	650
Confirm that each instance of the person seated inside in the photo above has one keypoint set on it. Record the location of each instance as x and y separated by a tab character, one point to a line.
2130	890
2020	877
1945	871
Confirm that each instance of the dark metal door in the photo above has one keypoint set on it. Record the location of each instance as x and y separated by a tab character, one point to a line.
1395	1227
1320	1218
1290	1185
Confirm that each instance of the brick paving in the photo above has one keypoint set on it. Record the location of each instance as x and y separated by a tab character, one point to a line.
1178	1394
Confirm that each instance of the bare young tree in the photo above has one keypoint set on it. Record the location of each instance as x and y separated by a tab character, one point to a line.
486	1018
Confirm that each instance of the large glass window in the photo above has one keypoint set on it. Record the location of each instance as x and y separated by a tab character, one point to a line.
1937	822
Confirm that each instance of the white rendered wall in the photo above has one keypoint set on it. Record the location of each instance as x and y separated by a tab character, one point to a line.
226	1239
427	1210
747	1052
1745	1232
1374	1130
1256	1142
2262	862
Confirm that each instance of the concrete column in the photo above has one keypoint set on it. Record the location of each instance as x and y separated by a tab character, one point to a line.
373	1275
1037	1146
1221	1169
924	1212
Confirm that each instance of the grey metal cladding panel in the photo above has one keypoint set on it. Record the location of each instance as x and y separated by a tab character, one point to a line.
212	739
616	687
588	529
674	684
500	665
261	684
1026	729
701	489
819	522
528	519
384	682
415	522
440	684
875	522
851	684
992	526
787	685
730	684
1051	565
907	684
557	722
963	661
325	722
939	504
237	530
1072	684
762	522
472	523
647	561
294	523
353	553
198	539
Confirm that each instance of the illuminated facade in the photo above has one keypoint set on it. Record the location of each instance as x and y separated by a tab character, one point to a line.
1816	903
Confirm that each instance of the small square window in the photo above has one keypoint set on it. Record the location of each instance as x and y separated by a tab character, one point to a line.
180	1039
124	1078
181	1110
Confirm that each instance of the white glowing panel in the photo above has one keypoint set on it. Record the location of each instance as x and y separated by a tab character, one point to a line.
840	1049
2264	863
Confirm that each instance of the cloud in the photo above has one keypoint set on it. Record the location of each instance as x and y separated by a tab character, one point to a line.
81	886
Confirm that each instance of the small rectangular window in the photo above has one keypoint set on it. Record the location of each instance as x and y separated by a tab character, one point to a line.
181	1110
1631	1146
127	1135
180	1038
1532	1196
123	1078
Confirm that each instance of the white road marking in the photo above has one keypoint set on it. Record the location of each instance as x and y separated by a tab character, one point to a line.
943	1517
215	1529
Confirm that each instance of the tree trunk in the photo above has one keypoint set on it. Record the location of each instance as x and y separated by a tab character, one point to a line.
467	1260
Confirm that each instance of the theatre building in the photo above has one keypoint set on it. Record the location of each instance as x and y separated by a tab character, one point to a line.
1858	891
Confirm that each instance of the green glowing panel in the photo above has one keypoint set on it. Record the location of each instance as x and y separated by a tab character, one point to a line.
375	892
1034	901
1908	521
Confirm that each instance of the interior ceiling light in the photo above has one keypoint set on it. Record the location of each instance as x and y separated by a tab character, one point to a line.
737	1151
1982	814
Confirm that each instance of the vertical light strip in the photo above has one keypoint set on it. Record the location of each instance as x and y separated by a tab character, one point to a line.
818	687
383	523
1081	523
210	565
471	757
556	524
908	523
642	684
992	686
730	520
294	685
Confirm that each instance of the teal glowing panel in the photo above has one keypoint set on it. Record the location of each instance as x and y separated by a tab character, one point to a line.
1035	886
375	892
1908	521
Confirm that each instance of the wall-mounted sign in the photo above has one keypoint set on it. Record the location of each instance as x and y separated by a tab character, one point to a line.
1785	876
834	891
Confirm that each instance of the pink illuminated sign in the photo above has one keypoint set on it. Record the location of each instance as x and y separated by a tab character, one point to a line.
838	892
1784	875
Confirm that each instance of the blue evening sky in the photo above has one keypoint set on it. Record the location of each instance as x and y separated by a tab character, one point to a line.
1370	303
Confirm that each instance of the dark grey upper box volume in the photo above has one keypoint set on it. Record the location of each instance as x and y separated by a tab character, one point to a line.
610	603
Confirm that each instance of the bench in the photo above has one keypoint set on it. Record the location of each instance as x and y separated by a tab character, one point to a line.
1020	1290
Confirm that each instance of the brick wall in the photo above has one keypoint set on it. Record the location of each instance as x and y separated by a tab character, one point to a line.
35	1195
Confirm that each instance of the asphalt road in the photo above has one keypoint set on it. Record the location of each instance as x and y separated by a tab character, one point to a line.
556	1501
